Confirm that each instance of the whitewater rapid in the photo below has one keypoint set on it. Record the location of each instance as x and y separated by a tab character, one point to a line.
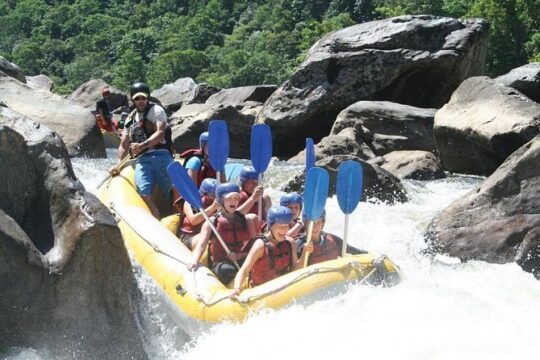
443	309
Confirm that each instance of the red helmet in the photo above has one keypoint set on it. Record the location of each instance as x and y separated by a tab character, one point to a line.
106	91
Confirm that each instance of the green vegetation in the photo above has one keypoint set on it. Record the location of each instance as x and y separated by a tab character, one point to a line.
223	42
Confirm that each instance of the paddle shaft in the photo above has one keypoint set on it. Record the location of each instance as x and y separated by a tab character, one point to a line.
345	233
117	168
309	236
220	239
260	180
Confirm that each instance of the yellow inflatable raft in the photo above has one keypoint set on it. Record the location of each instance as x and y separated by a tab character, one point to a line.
111	139
199	295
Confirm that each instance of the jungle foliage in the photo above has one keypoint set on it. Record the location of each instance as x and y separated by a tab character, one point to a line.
223	42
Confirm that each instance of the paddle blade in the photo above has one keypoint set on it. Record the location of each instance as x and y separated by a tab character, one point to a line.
183	183
315	192
310	154
232	171
218	144
349	185
261	147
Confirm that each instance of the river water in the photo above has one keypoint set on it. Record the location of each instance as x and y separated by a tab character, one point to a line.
443	309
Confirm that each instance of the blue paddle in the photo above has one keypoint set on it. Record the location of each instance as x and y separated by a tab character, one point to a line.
261	152
218	146
189	192
315	194
349	187
310	154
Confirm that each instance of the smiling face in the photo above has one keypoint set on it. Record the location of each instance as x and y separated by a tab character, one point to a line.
230	202
279	231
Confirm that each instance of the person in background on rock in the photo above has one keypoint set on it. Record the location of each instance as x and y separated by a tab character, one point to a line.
323	246
294	202
235	228
197	164
273	253
103	111
122	121
147	137
192	220
251	193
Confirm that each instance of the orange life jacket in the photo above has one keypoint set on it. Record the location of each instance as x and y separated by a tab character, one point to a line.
277	260
323	250
187	227
235	235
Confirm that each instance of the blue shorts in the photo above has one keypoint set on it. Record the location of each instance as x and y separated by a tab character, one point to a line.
151	168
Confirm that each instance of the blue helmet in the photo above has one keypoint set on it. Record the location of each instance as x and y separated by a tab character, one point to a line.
208	187
291	198
203	139
278	215
305	219
226	188
248	173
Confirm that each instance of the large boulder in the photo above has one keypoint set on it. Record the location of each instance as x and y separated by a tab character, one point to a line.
238	106
385	126
40	82
483	123
66	279
413	60
90	92
498	222
76	125
173	95
201	93
379	185
12	70
525	79
415	165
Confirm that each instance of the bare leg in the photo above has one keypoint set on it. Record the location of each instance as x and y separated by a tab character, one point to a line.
151	205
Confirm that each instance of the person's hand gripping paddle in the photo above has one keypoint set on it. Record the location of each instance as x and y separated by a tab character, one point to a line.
218	146
261	153
349	187
189	192
315	194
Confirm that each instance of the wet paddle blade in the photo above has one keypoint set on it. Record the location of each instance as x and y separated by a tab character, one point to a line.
218	144
261	147
310	154
232	171
349	185
315	192
185	186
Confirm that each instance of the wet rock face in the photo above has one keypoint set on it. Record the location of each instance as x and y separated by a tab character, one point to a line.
378	183
412	60
482	124
66	279
498	222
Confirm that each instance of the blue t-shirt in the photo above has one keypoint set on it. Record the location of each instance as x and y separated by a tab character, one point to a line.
194	163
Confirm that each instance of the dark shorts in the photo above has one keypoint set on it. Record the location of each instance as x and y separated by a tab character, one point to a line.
225	271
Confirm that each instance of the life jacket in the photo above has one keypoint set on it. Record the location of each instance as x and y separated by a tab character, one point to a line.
187	227
206	171
255	208
140	131
325	249
234	234
102	124
276	261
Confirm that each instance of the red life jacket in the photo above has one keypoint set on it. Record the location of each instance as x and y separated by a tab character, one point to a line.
206	171
323	250
187	227
276	261
234	234
255	208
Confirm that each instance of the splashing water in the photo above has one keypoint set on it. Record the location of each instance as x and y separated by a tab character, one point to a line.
441	310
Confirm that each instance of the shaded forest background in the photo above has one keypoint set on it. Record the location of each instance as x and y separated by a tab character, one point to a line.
222	42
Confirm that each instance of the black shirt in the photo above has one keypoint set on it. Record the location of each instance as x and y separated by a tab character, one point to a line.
105	107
